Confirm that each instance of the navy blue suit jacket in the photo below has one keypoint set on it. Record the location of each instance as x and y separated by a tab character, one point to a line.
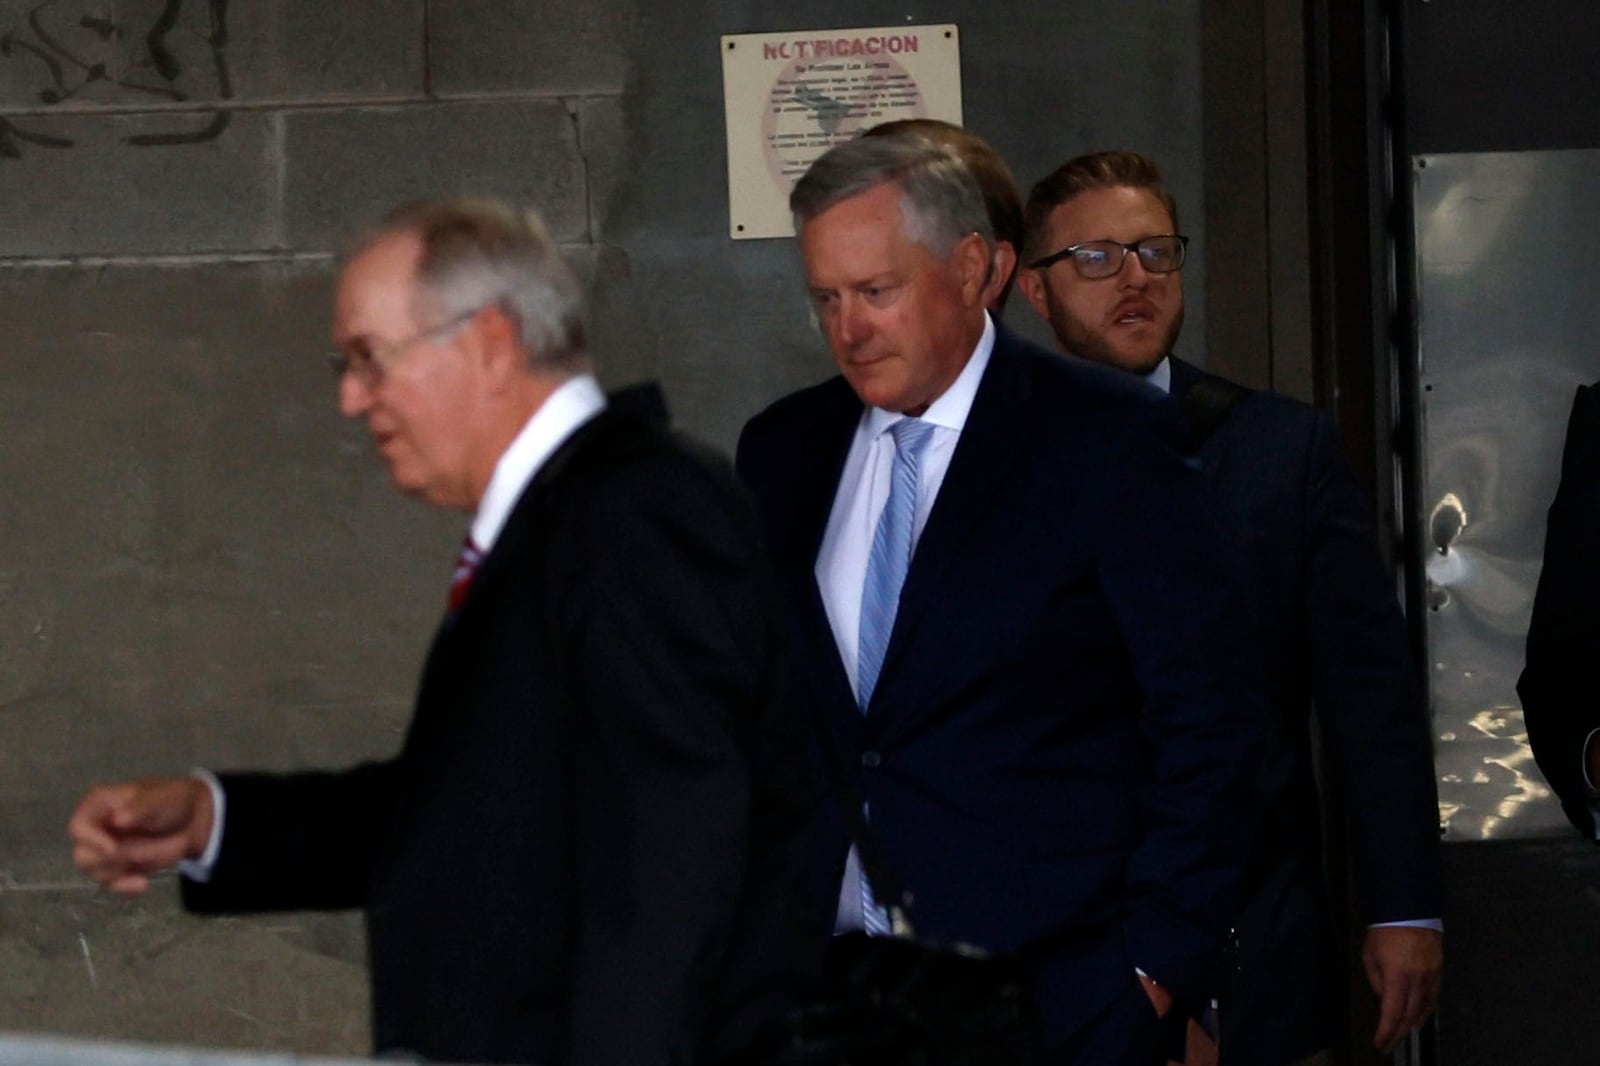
1334	636
590	849
1557	684
1056	751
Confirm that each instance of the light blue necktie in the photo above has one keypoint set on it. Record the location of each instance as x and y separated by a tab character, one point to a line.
880	596
890	557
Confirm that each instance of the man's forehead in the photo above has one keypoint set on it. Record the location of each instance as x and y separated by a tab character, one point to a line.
1113	205
391	256
376	283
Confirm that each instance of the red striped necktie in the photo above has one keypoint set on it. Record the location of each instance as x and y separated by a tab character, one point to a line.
461	578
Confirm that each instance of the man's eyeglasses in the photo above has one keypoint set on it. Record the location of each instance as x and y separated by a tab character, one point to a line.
1161	254
368	362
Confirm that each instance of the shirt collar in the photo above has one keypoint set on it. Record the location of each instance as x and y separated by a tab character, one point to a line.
950	410
575	402
1161	376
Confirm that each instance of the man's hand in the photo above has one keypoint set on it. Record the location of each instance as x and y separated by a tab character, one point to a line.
1403	966
123	833
1198	1048
1160	998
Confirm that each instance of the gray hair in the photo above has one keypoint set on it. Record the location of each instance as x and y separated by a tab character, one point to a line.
940	202
481	252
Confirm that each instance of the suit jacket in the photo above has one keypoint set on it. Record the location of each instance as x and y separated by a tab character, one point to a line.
1557	686
588	849
1055	746
1334	637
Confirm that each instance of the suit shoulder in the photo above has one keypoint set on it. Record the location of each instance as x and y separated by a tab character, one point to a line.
1272	412
1085	391
1087	398
656	460
626	463
785	436
830	398
1265	418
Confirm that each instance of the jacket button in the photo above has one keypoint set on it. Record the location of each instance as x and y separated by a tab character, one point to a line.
871	759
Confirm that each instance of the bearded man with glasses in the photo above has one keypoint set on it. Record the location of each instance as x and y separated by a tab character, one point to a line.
1104	260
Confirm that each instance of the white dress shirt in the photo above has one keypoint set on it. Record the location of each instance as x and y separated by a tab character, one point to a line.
572	404
559	417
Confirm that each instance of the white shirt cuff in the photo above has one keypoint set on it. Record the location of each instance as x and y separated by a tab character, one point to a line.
200	869
1594	793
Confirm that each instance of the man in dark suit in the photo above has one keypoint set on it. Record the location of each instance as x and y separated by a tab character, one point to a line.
587	850
1104	257
1051	719
1557	686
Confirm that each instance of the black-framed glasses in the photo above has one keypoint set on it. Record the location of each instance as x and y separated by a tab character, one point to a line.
367	363
1160	254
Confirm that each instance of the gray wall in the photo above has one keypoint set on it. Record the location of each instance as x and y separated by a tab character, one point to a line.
199	565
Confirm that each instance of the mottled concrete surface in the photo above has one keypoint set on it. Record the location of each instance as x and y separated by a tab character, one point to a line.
199	565
81	963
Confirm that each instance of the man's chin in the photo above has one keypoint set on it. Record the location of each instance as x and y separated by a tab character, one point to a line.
872	389
407	481
1129	362
1141	363
1136	355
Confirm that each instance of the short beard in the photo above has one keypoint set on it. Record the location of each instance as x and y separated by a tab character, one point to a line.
1075	338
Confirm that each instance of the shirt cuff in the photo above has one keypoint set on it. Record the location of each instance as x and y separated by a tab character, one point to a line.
1594	793
200	869
1436	924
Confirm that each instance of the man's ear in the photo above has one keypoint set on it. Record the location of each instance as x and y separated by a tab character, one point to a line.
1003	263
500	344
1032	285
970	258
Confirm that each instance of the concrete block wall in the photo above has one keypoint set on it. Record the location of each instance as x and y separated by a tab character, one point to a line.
199	563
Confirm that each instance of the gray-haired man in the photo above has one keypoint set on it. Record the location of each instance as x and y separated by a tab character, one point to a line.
1019	626
583	852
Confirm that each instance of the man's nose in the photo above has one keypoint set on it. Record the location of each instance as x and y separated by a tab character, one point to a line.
1133	275
850	326
354	396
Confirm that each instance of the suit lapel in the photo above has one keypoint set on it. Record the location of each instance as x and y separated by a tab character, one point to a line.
1213	451
985	460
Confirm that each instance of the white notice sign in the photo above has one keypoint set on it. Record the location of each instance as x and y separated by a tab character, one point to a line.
789	97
